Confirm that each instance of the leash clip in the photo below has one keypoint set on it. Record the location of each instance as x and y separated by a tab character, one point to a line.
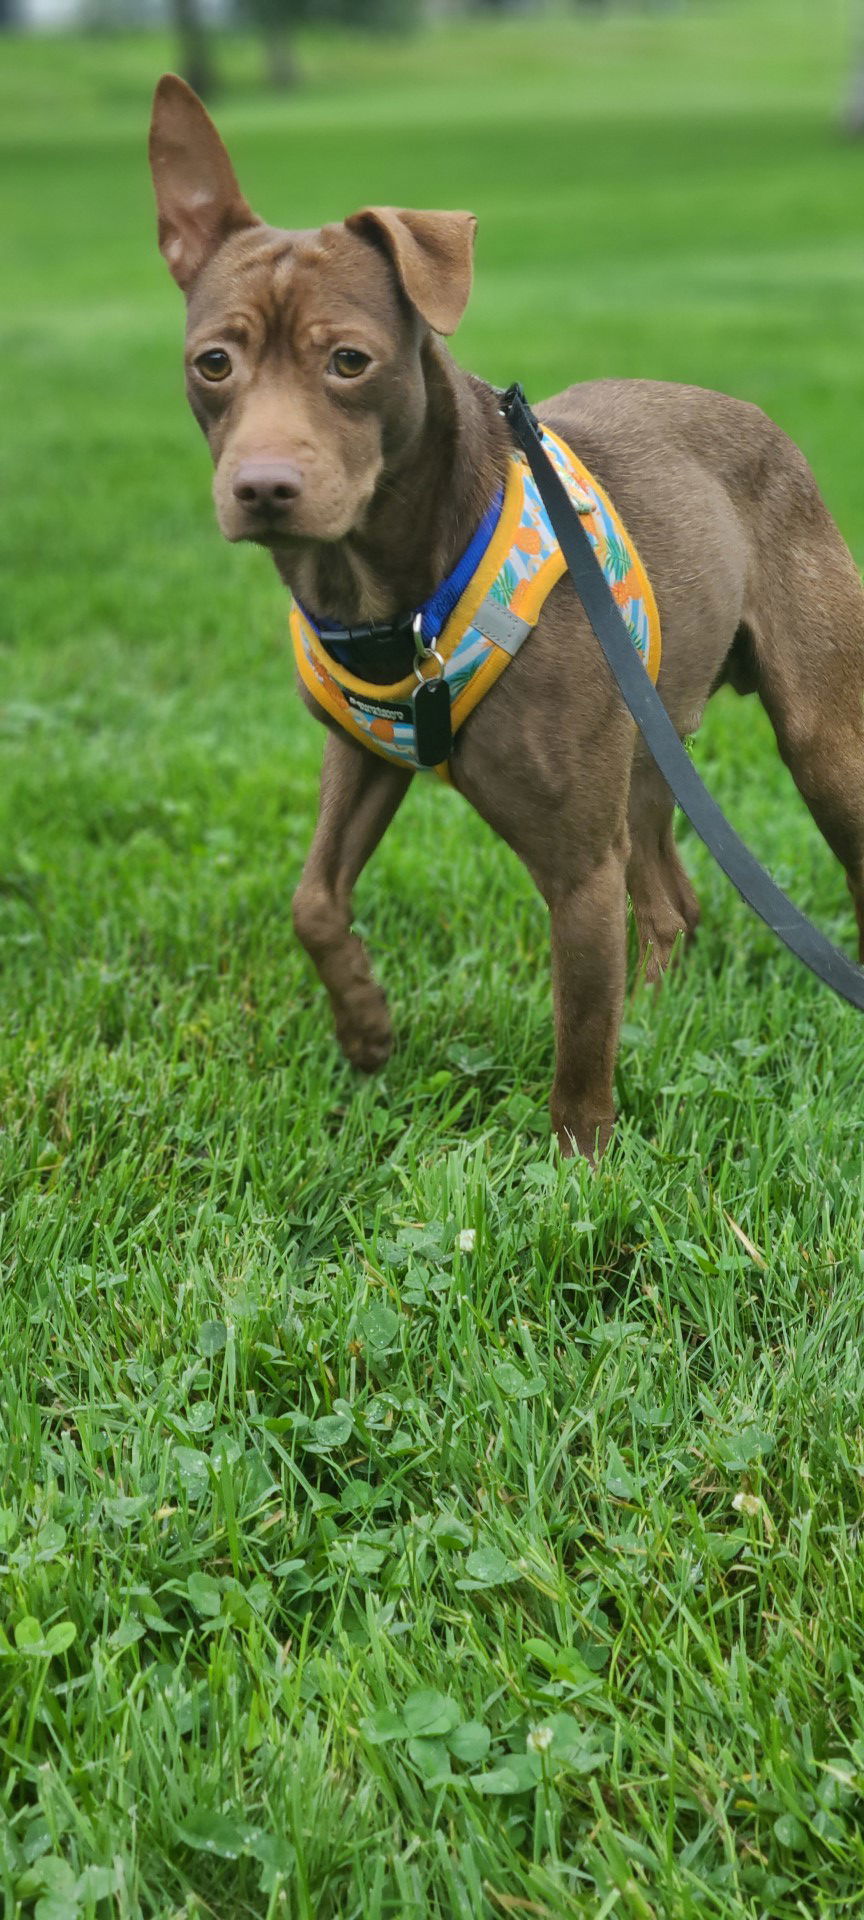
513	400
422	652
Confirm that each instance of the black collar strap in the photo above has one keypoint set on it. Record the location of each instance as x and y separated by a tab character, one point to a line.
377	631
738	863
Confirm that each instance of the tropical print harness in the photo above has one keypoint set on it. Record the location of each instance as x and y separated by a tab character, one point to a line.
494	611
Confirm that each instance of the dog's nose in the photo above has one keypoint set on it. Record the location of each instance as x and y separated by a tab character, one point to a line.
266	486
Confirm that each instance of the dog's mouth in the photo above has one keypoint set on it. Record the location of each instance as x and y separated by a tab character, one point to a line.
264	530
280	532
288	526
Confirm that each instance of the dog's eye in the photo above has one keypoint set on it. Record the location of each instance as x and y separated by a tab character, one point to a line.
214	365
348	362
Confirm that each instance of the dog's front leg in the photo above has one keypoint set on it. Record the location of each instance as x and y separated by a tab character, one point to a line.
589	947
359	796
545	759
578	860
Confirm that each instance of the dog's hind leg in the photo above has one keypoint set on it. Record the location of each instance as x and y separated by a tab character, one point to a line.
664	904
825	756
359	796
809	659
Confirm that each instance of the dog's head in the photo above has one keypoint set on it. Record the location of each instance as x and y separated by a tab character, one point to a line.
303	349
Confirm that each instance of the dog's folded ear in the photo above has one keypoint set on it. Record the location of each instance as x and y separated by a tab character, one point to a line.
197	196
432	254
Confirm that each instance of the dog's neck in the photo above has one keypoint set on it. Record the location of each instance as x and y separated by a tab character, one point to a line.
423	512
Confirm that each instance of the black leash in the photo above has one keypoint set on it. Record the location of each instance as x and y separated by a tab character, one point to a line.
738	863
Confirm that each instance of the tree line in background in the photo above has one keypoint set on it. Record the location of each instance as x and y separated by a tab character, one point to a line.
277	21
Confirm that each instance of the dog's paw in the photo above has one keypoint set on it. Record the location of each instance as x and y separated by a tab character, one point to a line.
587	1139
663	947
366	1037
368	1052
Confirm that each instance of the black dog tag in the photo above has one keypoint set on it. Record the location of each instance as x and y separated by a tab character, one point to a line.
433	734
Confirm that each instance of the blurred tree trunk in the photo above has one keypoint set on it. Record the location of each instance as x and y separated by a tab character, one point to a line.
275	19
853	114
279	57
196	61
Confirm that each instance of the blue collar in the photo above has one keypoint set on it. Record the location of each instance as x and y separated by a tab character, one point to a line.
434	613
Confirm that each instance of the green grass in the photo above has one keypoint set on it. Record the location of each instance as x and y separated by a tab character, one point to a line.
293	1484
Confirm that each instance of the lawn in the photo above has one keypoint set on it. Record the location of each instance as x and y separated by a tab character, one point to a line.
349	1569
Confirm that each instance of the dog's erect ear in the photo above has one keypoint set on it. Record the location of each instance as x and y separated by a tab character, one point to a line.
197	195
432	254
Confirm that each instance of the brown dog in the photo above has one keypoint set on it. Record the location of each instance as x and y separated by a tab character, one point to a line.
347	441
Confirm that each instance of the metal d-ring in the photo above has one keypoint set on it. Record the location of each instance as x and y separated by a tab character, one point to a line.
423	652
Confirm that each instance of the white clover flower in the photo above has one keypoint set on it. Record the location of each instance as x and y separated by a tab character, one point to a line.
748	1503
465	1240
540	1739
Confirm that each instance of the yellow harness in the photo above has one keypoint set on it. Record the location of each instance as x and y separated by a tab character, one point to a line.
493	615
